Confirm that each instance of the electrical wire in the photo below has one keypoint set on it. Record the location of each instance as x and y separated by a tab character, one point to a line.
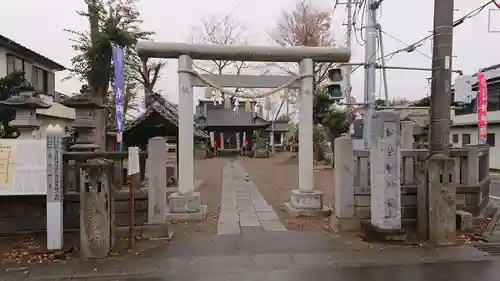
357	9
226	17
412	47
406	44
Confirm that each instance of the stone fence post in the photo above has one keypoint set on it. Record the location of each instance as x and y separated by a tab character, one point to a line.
472	165
157	182
407	142
344	217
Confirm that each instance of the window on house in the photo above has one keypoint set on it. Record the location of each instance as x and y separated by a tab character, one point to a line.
455	138
465	139
490	140
14	64
39	79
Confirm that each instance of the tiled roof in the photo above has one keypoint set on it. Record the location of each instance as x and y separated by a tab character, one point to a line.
167	110
218	115
22	50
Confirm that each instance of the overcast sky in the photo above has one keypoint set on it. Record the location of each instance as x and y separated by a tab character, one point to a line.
39	25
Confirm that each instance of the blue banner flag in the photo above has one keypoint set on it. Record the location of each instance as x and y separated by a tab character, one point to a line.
119	64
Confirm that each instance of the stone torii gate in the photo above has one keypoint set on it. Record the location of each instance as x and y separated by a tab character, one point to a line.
186	201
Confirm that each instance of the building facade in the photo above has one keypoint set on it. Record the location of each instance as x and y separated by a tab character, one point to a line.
40	73
464	129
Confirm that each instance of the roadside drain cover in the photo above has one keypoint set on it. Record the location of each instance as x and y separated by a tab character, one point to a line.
489	248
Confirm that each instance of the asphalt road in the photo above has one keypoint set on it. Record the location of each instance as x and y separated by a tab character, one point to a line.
495	189
484	271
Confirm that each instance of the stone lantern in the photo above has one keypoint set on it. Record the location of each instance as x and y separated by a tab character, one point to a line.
84	123
25	105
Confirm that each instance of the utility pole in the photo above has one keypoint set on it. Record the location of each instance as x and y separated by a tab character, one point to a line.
440	168
348	68
441	76
370	69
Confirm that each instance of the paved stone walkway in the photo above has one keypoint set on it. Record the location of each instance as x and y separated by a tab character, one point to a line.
242	205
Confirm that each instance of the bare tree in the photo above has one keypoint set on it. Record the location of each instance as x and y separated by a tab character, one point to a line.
220	31
305	25
225	31
308	25
146	73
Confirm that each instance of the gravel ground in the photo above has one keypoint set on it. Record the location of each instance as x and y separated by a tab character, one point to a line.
210	171
277	176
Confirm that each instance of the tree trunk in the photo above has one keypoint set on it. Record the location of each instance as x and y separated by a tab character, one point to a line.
101	118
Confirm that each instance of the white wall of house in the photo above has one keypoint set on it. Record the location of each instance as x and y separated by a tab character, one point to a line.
43	79
465	127
50	120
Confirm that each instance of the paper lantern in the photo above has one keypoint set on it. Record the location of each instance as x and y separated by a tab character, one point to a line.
208	93
268	103
217	95
286	94
248	106
227	101
236	106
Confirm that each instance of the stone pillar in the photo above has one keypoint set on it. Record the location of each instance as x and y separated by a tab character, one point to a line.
306	180
54	187
186	204
186	129
442	200
472	165
385	166
306	201
94	182
344	217
407	131
157	180
407	142
95	205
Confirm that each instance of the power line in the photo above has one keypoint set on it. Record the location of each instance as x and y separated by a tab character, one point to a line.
406	44
357	10
226	17
412	47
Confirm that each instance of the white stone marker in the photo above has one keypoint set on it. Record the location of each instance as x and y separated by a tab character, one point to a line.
54	188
